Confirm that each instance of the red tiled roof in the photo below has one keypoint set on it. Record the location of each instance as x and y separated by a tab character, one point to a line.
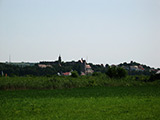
67	73
88	66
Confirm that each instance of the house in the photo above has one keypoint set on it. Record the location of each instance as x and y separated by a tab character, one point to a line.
67	74
140	67
85	68
44	66
158	72
137	68
88	69
134	67
82	73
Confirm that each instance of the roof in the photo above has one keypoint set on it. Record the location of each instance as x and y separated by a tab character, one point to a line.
82	73
88	66
66	73
44	66
158	72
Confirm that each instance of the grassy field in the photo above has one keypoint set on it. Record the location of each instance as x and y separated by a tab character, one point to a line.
91	103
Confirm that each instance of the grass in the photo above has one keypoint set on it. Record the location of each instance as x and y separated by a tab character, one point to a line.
89	103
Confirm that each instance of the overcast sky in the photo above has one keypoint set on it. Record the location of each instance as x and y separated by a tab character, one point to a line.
104	31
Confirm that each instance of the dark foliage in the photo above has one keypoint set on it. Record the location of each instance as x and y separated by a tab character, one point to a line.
116	72
74	74
154	77
12	69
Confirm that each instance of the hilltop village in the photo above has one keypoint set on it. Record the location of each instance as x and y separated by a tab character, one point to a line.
61	68
80	66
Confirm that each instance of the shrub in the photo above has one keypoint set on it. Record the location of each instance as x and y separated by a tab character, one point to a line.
121	72
96	74
116	72
111	72
74	74
154	77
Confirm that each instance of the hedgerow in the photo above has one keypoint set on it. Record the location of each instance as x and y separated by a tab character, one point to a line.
61	82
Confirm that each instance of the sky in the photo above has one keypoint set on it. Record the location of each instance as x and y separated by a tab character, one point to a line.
100	31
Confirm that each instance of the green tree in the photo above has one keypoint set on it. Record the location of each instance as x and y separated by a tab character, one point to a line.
75	74
116	72
121	72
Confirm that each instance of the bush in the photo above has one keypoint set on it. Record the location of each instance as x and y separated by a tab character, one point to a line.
121	72
96	74
154	77
116	72
74	74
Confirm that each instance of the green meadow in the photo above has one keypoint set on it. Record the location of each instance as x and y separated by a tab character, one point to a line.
88	103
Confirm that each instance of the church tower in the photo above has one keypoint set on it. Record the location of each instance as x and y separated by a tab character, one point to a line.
59	59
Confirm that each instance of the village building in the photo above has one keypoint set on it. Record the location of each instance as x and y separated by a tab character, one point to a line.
158	72
85	69
88	70
44	66
137	68
67	74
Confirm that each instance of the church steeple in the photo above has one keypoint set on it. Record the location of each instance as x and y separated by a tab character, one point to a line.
59	59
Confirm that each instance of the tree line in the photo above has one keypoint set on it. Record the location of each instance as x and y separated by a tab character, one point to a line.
35	70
